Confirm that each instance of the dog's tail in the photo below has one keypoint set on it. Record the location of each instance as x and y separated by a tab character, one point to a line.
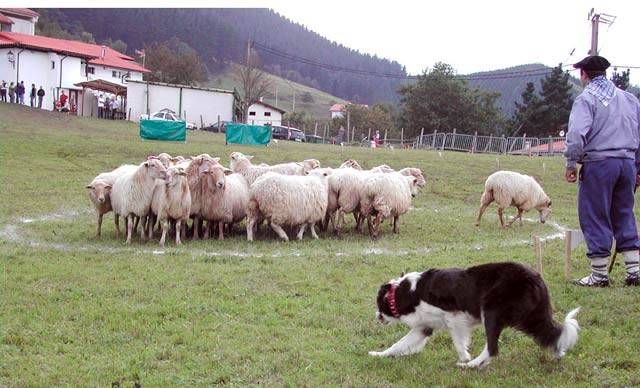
569	335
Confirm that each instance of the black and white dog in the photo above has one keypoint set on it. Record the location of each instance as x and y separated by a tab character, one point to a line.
498	295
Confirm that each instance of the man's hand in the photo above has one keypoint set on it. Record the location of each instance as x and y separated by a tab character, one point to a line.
571	176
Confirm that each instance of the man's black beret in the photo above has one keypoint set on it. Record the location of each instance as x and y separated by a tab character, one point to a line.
593	62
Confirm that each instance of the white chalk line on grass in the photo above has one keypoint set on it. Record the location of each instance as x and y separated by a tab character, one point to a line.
10	233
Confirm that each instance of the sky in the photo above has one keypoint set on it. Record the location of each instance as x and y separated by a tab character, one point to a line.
469	35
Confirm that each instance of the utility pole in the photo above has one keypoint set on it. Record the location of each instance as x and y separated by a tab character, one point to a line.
248	51
596	19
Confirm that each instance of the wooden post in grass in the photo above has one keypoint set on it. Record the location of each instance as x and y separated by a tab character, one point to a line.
538	252
315	130
324	138
385	136
401	137
567	254
219	129
433	141
129	114
369	137
201	122
475	142
421	136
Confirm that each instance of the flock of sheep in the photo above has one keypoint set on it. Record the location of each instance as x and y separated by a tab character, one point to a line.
171	191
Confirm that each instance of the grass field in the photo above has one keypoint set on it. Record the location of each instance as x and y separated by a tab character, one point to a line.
81	311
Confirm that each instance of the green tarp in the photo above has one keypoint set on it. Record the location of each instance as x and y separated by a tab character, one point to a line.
248	134
163	130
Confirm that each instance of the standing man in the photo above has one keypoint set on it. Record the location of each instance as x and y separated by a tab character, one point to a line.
32	95
604	137
3	91
20	90
40	97
12	93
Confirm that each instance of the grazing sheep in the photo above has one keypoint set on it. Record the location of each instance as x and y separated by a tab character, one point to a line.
344	197
241	164
100	194
414	172
386	195
288	200
225	197
175	202
132	192
351	163
510	188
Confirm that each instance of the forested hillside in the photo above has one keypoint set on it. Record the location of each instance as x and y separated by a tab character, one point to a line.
220	36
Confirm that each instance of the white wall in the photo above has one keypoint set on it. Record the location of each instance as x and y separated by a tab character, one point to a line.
106	73
35	67
195	102
22	26
260	119
336	114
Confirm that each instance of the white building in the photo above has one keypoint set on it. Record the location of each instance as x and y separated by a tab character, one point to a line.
22	20
262	113
59	65
201	106
337	110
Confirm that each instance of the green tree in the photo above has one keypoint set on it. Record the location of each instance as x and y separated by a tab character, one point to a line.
174	62
442	101
526	118
117	45
557	99
621	80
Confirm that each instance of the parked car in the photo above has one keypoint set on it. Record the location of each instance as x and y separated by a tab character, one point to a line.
287	133
168	115
214	127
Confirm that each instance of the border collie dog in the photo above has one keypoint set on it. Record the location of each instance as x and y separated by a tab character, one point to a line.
496	295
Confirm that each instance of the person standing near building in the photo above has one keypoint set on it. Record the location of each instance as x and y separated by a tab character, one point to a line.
3	91
20	90
40	97
12	93
63	102
604	137
32	95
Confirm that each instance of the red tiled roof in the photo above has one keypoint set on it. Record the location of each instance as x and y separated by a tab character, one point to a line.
21	11
337	108
93	52
5	20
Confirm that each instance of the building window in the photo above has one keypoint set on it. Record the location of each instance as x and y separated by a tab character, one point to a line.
53	65
91	70
267	114
115	74
252	113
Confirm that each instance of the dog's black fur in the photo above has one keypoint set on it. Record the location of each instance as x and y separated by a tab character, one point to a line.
508	294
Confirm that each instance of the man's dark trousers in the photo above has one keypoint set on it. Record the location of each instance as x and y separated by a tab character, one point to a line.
605	206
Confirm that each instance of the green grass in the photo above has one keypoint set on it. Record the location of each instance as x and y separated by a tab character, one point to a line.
80	311
318	108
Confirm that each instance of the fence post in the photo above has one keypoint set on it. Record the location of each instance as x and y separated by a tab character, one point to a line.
201	122
402	137
219	130
353	134
421	135
550	147
369	137
475	141
324	138
433	141
315	130
385	136
489	142
504	145
444	140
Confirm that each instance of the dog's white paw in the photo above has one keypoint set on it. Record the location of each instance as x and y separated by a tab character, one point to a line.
377	354
462	364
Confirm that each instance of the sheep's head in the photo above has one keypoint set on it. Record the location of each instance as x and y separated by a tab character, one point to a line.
310	164
175	175
322	173
382	168
100	190
351	163
176	159
544	210
239	159
413	185
415	172
155	168
215	177
165	158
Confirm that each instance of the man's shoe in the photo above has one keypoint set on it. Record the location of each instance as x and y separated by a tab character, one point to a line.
593	281
633	280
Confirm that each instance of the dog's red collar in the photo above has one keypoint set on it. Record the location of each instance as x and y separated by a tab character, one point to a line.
391	300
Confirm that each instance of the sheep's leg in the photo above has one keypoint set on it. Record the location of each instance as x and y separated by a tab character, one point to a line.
116	221
501	216
143	230
396	228
251	222
196	228
301	232
485	201
152	225
165	226
99	225
339	222
370	225
312	226
278	229
358	218
519	215
135	227
207	230
178	231
129	228
376	225
220	230
184	229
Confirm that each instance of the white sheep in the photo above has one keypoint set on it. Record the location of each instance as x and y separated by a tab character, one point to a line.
133	190
175	202
288	200
99	191
351	163
225	196
344	197
386	195
510	188
241	164
194	169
